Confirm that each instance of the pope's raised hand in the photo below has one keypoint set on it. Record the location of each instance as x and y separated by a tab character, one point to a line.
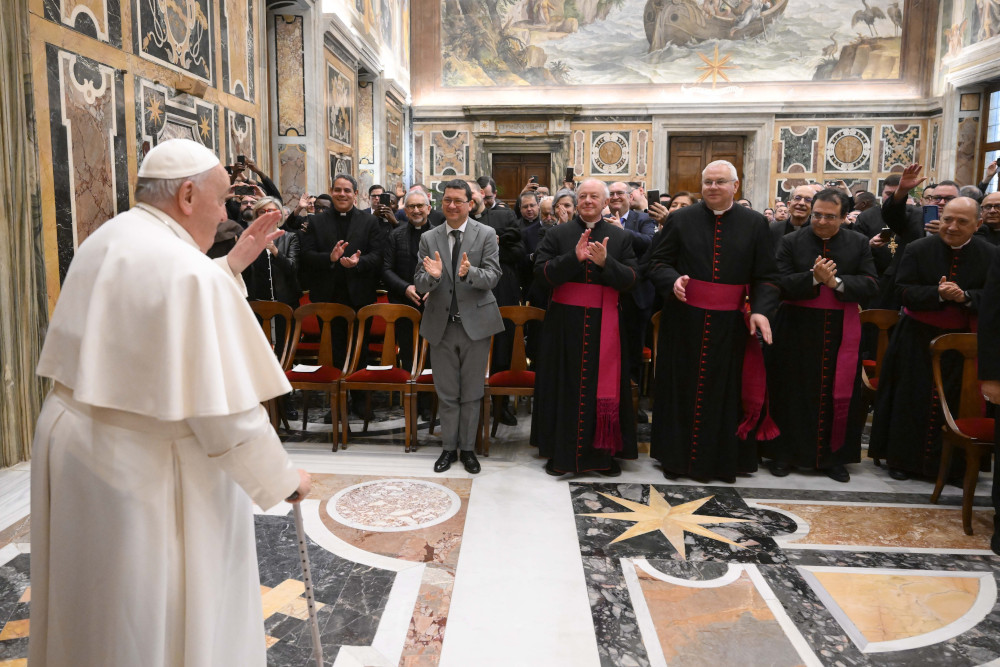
253	241
582	249
434	266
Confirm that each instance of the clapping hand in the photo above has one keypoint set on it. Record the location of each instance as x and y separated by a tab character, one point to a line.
825	272
349	262
598	251
463	266
583	246
950	291
338	251
434	266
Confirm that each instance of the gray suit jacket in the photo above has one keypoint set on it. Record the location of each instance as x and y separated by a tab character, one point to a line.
476	303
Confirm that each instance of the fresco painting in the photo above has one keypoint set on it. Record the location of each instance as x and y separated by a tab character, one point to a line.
968	22
689	42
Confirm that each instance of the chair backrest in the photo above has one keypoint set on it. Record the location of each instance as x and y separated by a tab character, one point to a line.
519	316
970	403
884	320
425	351
390	312
325	314
271	310
655	320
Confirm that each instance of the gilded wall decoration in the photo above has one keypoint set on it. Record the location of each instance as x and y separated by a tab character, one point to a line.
849	149
289	56
449	153
292	172
89	159
393	138
177	34
241	136
100	19
900	146
163	113
609	152
238	46
339	105
798	146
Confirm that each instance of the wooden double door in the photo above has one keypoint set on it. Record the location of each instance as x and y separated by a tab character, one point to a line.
512	171
688	155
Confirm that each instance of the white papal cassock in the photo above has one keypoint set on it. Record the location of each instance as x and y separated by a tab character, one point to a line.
147	455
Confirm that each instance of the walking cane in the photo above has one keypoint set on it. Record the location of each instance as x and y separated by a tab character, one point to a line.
307	580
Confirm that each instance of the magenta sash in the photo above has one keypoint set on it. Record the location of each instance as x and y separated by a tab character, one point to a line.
846	371
608	432
951	317
722	296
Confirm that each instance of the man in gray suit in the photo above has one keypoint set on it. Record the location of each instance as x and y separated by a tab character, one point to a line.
458	265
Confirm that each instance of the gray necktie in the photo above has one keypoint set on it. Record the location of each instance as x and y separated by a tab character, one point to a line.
456	252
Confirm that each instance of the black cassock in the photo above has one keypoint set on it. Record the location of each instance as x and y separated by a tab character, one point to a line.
906	429
697	402
989	367
565	413
802	363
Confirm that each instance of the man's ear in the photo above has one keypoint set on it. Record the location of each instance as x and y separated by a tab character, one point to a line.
185	198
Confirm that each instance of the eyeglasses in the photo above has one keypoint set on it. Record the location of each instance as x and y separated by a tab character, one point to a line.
453	202
617	193
416	205
719	181
944	198
807	200
990	207
825	217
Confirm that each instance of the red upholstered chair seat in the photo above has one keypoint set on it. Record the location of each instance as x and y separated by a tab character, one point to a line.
387	375
979	428
873	382
647	354
305	345
868	363
425	379
324	374
512	379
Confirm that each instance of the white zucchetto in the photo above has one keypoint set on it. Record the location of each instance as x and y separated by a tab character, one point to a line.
177	158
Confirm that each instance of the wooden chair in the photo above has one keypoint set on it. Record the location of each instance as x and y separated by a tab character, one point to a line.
968	430
884	321
268	312
393	378
307	348
328	377
518	381
423	383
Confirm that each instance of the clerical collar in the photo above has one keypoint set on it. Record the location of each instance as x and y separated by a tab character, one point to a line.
722	211
590	225
959	247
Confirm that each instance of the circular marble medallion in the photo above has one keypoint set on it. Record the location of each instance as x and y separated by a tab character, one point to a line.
848	149
393	505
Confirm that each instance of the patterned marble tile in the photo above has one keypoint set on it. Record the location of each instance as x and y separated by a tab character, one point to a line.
101	20
900	146
610	152
339	105
237	46
449	153
177	36
289	55
292	171
849	149
798	147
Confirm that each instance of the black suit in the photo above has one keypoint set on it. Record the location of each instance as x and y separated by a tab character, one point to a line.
508	289
435	217
329	281
399	265
989	366
637	305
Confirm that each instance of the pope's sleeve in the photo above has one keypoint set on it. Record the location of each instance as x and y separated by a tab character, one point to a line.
223	263
246	447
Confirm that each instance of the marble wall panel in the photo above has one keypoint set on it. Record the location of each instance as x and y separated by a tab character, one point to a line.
289	53
339	105
89	158
366	123
100	19
237	45
579	150
163	113
798	146
965	150
241	135
341	164
610	152
292	171
418	157
849	149
449	153
178	35
900	146
641	144
935	145
394	128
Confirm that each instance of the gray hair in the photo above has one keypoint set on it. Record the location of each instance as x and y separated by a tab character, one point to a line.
264	201
159	190
562	194
607	193
721	163
417	192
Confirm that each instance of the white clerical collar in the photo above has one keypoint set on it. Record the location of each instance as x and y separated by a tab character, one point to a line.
589	225
167	221
722	211
959	247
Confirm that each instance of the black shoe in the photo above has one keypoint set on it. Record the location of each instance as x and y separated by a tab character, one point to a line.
731	479
670	475
614	471
445	460
361	410
470	462
896	473
701	480
507	417
642	417
292	415
779	468
328	418
552	471
838	473
425	415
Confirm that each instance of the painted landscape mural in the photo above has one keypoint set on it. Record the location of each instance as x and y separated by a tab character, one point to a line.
689	42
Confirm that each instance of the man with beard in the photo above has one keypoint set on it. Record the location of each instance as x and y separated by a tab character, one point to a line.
940	282
989	212
813	367
582	390
715	253
798	214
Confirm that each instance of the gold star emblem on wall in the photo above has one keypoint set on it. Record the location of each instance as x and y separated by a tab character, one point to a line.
671	521
205	127
715	67
154	110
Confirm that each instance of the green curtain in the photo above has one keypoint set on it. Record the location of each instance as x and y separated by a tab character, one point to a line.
23	311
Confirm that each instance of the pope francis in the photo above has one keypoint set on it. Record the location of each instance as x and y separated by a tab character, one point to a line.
153	443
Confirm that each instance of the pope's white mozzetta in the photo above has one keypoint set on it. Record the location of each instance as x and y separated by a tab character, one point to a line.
148	453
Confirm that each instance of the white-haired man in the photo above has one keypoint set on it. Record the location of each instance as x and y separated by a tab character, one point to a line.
153	441
715	253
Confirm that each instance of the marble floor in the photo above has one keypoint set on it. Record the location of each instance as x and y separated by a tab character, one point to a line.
514	567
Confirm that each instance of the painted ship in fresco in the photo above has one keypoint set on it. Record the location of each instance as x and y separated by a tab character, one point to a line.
682	22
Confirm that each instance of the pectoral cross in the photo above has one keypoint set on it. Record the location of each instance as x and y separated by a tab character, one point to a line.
893	245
